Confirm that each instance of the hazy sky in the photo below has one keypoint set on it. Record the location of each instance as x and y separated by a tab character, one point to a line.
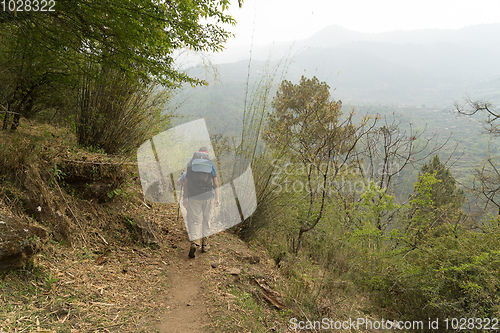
279	20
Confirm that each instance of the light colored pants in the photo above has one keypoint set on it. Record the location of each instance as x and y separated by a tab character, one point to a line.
198	216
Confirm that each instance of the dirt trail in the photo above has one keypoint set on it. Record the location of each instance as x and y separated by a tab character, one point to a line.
186	309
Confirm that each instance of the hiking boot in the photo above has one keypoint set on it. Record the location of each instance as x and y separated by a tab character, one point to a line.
192	250
204	248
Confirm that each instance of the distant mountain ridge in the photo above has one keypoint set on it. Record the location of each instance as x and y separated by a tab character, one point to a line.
432	67
334	36
472	36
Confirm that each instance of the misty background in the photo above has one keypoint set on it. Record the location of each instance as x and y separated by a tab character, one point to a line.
414	76
422	68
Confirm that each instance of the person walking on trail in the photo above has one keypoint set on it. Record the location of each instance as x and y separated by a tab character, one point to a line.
201	192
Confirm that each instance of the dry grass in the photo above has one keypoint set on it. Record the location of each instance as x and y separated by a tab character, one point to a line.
99	287
235	302
92	281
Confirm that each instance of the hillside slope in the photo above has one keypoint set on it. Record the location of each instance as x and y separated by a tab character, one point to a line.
114	263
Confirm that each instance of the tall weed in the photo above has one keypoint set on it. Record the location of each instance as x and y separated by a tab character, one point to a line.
117	113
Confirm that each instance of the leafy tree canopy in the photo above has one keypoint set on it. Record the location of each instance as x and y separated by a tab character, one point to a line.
445	191
135	36
306	121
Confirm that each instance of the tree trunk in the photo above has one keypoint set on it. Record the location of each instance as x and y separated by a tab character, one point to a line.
15	122
299	242
5	119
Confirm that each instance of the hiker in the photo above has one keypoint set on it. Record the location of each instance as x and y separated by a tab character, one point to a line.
201	191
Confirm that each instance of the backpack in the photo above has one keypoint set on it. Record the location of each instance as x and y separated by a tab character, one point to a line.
200	174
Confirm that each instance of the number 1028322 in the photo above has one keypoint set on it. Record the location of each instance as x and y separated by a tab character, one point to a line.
28	5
